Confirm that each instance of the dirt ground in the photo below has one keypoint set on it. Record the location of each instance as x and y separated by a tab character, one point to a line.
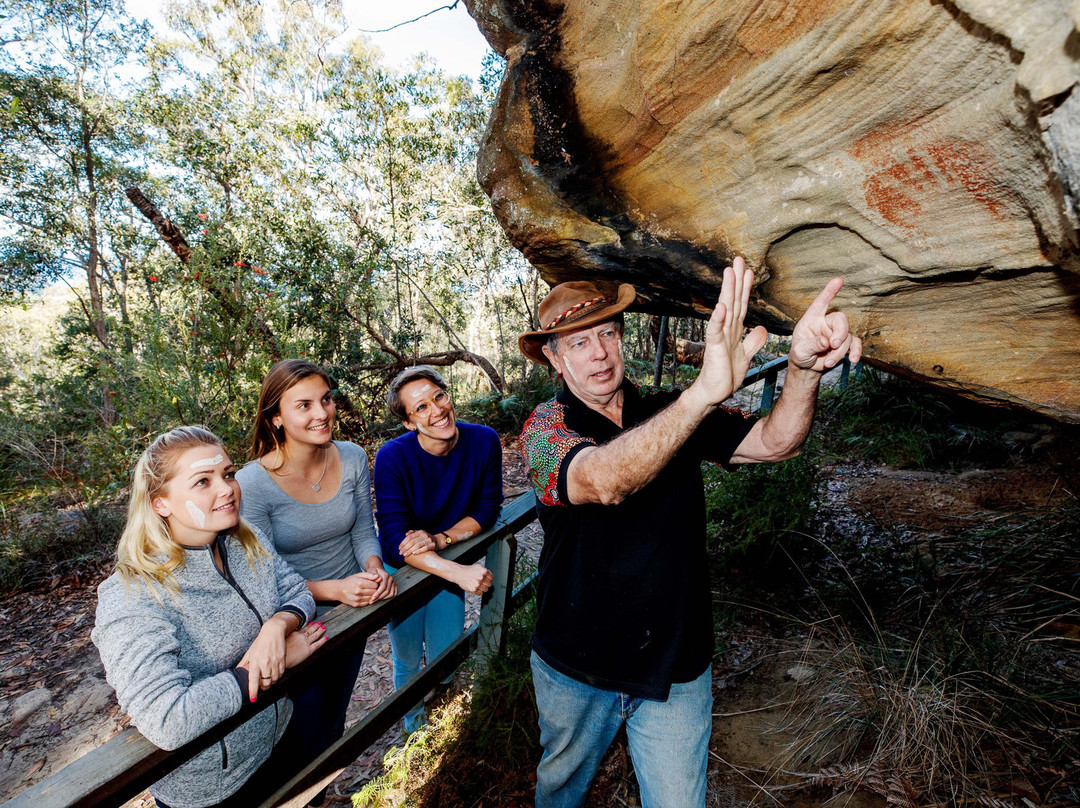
55	704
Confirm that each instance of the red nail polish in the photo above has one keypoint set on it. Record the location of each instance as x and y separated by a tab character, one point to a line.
252	699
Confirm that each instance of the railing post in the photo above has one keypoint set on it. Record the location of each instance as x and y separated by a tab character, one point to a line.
495	611
661	343
768	392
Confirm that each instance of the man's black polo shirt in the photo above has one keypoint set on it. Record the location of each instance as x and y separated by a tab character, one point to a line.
623	594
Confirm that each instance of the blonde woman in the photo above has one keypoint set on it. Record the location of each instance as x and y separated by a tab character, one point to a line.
199	616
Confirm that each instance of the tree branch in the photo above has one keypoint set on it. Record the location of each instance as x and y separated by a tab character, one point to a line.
257	329
450	7
494	379
441	359
386	346
168	231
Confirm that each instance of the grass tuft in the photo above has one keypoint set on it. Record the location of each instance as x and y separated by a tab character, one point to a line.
967	690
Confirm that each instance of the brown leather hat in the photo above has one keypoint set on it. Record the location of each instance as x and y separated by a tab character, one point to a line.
570	306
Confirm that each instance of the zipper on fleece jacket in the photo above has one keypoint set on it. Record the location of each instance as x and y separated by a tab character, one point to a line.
226	573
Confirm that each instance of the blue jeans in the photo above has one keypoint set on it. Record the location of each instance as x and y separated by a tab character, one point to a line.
669	740
433	627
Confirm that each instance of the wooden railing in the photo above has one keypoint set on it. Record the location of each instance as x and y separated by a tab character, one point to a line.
769	372
125	766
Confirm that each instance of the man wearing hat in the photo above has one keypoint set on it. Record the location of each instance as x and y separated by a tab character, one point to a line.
624	622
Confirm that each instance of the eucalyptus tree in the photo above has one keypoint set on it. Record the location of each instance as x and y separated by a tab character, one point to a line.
68	146
333	190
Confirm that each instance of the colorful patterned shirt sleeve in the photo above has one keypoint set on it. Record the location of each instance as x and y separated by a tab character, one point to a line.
545	444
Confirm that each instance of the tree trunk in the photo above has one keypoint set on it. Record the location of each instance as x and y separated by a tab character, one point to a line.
93	259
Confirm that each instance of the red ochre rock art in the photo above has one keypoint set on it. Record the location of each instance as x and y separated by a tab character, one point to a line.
928	152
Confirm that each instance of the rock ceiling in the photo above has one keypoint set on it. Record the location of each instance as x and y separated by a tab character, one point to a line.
927	152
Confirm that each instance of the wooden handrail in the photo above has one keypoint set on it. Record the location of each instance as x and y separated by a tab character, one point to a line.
126	765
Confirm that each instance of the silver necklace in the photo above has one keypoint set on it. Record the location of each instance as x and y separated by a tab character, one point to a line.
317	485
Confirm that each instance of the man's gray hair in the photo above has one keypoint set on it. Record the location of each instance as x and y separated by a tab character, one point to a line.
553	340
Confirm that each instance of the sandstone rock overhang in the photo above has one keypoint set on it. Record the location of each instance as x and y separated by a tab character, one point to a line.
928	151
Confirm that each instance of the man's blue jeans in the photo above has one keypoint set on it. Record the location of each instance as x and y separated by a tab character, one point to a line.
431	628
669	740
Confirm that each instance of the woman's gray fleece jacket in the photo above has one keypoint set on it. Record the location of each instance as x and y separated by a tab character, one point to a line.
170	662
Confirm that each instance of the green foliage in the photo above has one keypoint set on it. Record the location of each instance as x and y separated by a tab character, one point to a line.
507	414
749	509
885	419
49	543
329	208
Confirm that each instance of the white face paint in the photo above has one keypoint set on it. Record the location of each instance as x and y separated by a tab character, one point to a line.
620	348
197	516
569	372
423	391
208	462
468	534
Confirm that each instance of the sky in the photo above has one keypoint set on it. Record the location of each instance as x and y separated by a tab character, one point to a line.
450	37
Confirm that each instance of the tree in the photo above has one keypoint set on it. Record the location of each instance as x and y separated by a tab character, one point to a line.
332	175
67	149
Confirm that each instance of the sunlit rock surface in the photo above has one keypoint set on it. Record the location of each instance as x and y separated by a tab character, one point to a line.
928	152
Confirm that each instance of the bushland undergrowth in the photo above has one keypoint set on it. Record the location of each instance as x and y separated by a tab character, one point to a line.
944	667
960	686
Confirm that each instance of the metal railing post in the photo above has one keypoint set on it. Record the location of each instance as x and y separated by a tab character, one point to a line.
768	392
496	609
661	343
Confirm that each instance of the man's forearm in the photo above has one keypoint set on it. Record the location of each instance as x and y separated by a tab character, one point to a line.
608	474
781	434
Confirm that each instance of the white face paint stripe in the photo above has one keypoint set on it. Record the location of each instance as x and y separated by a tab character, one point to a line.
207	461
197	516
422	391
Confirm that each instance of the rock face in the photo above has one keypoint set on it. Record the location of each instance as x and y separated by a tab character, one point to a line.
928	151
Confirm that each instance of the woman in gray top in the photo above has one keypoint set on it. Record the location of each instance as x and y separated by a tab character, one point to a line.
194	590
312	496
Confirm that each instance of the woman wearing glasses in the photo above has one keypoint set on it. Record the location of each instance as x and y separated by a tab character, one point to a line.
439	483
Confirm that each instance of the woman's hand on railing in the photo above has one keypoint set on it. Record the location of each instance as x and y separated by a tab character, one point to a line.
363	588
303	643
474	578
265	657
416	542
386	586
